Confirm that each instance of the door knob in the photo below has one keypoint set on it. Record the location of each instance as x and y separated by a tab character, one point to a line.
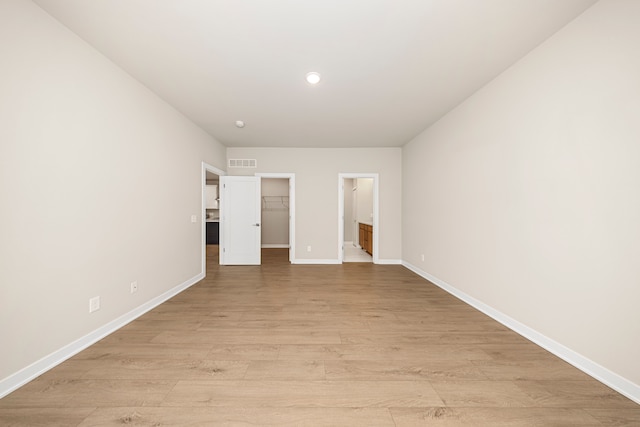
256	225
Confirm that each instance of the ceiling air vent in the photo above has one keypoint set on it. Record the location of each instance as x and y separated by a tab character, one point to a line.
243	163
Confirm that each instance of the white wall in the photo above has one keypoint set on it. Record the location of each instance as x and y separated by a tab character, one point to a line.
349	220
98	181
526	197
365	200
275	212
316	171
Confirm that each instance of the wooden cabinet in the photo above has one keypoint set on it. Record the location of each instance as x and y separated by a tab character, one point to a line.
366	238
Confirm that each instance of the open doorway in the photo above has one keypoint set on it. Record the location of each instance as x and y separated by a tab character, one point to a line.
278	216
211	215
358	218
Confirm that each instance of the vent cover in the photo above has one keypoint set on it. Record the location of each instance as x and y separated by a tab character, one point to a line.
243	163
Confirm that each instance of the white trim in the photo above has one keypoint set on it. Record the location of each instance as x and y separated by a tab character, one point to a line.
376	213
274	245
292	208
203	247
599	372
390	261
23	376
316	261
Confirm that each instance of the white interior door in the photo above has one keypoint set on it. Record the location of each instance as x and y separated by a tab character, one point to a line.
240	220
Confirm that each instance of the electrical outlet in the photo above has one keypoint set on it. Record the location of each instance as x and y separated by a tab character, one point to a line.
194	218
134	287
308	248
422	256
94	304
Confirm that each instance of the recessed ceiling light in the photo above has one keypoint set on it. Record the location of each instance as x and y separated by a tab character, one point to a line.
313	78
239	124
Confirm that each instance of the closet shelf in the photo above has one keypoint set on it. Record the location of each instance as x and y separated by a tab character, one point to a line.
275	203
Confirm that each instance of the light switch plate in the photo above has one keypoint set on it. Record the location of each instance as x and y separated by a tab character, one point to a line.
94	304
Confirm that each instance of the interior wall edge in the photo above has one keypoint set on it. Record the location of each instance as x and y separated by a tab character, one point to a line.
611	379
31	372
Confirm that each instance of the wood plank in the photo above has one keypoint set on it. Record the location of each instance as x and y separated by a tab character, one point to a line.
285	370
49	417
332	394
482	394
407	370
492	417
176	416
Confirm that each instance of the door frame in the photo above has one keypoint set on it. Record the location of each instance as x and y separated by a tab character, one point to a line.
376	212
292	208
203	213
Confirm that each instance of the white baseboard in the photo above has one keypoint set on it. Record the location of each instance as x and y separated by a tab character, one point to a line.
274	245
315	261
600	373
389	261
335	261
23	376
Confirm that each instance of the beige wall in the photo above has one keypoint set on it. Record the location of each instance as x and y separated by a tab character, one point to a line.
316	174
526	197
98	181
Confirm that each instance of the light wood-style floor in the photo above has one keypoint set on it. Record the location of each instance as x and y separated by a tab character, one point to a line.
350	345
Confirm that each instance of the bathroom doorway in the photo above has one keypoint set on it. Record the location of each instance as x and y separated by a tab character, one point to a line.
358	218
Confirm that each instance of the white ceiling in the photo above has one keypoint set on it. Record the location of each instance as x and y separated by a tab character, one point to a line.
390	68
